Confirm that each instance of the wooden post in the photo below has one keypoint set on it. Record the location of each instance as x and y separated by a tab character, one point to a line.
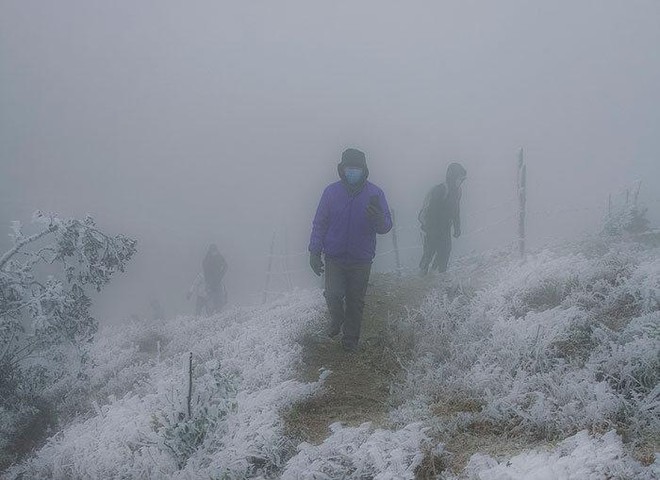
270	268
189	399
522	203
636	194
395	243
287	269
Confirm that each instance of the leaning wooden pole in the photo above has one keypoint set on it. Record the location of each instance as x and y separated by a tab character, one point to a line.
522	203
395	243
270	268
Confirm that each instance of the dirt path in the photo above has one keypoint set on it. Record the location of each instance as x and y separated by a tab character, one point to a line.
358	389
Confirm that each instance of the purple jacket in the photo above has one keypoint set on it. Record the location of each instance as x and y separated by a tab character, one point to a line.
341	227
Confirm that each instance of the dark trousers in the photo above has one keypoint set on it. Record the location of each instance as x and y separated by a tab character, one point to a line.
200	305
345	288
437	247
215	299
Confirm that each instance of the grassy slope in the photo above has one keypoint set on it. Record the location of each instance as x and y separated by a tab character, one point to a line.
359	388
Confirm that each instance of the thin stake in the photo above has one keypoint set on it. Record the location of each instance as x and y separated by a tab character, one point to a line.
395	243
189	384
270	268
636	195
522	203
289	279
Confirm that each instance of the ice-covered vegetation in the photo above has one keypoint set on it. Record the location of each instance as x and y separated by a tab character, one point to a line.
568	340
45	322
361	452
627	217
580	457
561	351
244	365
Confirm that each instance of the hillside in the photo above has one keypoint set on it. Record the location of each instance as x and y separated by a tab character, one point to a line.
499	369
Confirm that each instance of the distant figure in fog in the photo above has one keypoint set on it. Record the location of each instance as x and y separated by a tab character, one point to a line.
441	212
208	287
350	214
198	290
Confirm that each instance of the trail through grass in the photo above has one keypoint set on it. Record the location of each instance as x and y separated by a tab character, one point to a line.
358	389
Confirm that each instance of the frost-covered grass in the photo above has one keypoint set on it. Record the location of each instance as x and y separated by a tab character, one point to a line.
569	340
361	452
244	367
562	351
580	457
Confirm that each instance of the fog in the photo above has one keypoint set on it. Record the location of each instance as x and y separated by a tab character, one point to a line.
186	123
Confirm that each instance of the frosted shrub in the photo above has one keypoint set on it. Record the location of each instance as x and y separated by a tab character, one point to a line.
245	362
45	319
563	342
580	457
631	218
361	453
181	435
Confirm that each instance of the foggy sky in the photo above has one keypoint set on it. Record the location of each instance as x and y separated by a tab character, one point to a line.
185	123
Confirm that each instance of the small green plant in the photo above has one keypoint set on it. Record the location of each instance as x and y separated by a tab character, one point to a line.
181	435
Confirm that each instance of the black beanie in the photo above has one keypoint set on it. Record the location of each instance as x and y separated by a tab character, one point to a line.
352	157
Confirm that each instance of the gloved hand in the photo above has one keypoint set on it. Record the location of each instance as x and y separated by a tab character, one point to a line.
375	214
457	232
316	263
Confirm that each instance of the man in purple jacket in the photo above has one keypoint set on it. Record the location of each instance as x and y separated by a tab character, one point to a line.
350	214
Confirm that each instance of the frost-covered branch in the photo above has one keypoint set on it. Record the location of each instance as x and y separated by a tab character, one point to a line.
44	320
23	242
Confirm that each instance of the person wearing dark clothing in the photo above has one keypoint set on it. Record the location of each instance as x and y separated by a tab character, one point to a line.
214	268
349	215
441	212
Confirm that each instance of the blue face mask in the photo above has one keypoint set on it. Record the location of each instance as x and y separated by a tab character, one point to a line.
353	175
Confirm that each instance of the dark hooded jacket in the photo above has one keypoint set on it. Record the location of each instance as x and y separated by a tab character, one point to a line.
214	266
441	208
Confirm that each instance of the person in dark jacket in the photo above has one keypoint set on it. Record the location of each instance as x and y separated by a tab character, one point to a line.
214	267
350	214
441	213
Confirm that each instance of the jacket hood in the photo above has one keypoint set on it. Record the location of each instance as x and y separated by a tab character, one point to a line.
352	157
454	172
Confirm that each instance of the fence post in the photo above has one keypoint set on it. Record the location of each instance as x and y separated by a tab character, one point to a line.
270	268
189	398
395	243
287	269
522	203
636	194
